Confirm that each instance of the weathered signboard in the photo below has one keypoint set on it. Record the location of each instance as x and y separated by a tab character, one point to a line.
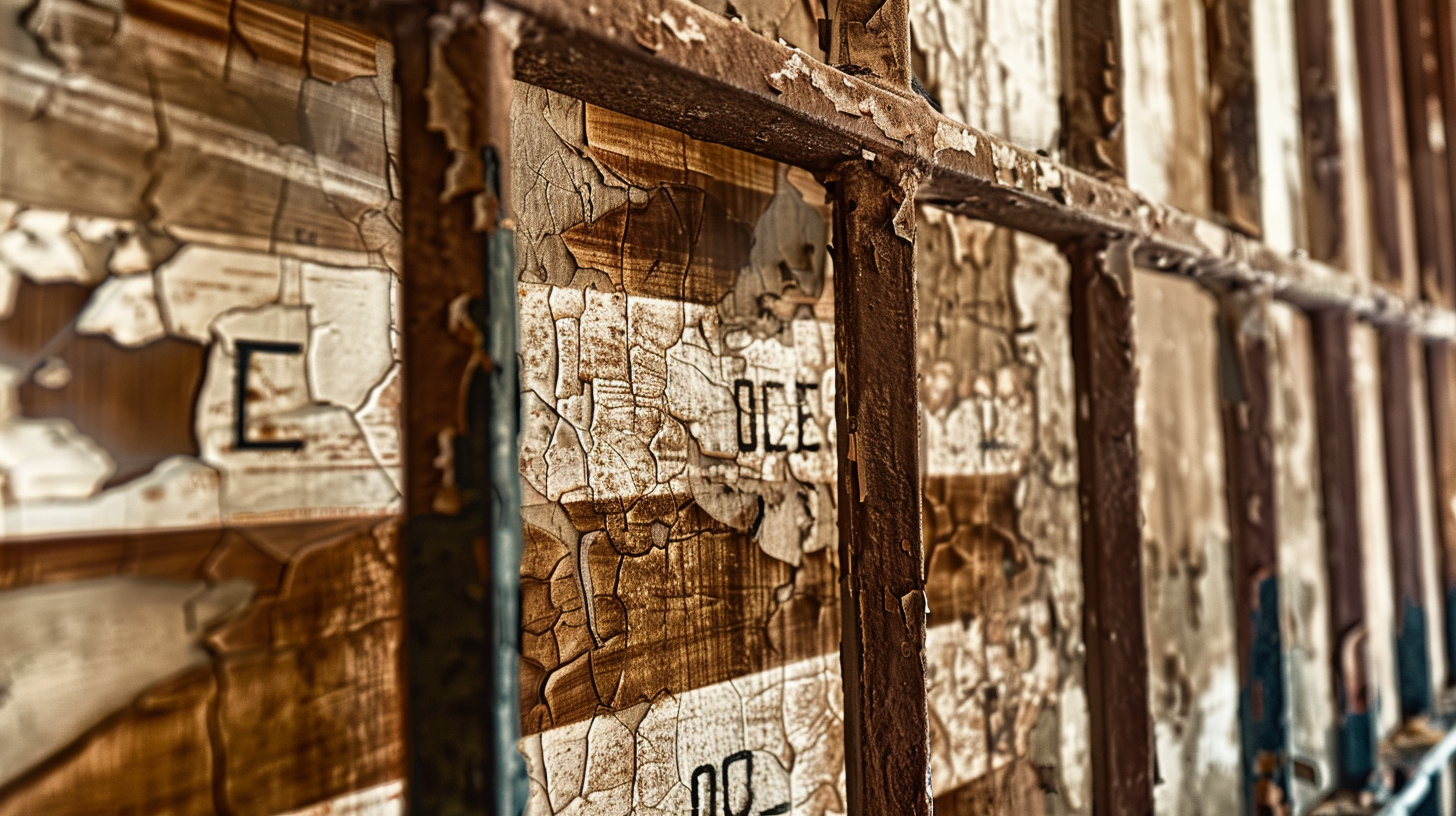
199	430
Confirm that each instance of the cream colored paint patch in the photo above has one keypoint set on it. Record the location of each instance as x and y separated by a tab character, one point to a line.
1186	549
1304	593
993	64
1276	88
1165	88
1375	563
380	800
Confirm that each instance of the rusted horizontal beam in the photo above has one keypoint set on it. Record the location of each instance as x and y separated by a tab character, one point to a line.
675	64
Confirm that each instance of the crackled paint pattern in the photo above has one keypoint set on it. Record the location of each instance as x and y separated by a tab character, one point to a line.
1008	720
197	215
1186	550
680	603
205	238
992	64
677	453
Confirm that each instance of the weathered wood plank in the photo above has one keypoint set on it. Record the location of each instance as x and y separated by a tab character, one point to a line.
1092	129
1112	563
881	540
1441	391
1234	114
872	37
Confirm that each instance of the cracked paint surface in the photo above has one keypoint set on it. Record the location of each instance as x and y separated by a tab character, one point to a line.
679	585
188	192
1186	549
1008	721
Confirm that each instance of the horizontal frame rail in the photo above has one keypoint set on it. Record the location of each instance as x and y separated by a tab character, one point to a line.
676	64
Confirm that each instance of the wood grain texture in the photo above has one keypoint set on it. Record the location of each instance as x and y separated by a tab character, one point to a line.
1425	65
1112	563
881	545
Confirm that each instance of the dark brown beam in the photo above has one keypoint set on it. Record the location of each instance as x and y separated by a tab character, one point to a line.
1324	168
1093	138
1339	473
1387	158
462	534
713	79
1402	474
1441	389
1114	627
1424	64
881	546
1234	117
1252	512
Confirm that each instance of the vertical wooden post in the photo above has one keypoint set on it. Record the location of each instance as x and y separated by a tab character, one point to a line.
1324	179
1425	64
1441	386
881	546
1339	471
1387	157
1112	560
1249	463
1092	129
1235	115
462	540
1402	474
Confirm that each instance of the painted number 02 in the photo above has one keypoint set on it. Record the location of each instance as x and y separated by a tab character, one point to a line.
705	789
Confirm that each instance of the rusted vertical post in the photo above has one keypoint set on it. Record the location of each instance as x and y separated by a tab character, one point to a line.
462	537
1234	116
1249	462
1339	470
1441	387
881	546
1425	64
1114	626
1387	157
1324	178
1413	667
1092	129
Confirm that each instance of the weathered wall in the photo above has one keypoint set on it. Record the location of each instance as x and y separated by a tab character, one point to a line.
1281	173
1304	594
1165	80
1007	702
1186	549
199	612
993	64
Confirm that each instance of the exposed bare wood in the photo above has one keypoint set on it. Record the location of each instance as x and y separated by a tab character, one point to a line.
881	540
1441	387
1112	564
1234	127
872	38
1426	65
1387	157
1092	130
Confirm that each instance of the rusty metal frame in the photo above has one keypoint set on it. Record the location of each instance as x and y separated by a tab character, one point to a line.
675	64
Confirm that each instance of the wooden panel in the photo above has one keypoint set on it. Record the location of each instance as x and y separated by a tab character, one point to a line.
1003	657
1319	94
1441	379
1188	550
1112	558
1424	66
1166	95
